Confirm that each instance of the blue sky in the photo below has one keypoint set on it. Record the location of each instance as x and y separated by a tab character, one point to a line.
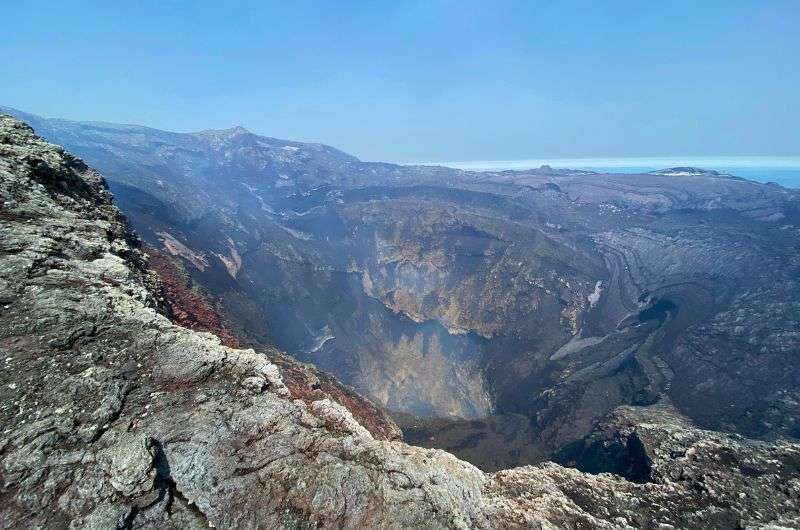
424	81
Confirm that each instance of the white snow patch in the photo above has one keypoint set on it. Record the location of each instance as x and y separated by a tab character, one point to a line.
298	234
323	336
595	296
263	204
574	346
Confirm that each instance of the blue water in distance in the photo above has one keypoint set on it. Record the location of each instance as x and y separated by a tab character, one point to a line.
783	170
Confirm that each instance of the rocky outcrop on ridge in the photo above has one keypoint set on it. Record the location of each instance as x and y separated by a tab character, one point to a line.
684	477
114	417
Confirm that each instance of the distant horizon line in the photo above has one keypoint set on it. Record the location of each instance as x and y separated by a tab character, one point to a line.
657	162
663	162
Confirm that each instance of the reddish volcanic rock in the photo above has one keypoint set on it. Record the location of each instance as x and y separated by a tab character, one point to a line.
308	384
190	310
186	307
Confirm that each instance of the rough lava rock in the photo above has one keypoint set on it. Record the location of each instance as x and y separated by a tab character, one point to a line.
114	417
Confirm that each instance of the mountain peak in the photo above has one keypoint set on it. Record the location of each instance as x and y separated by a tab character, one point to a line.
219	136
687	171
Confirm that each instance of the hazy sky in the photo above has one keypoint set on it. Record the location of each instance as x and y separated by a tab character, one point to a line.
424	81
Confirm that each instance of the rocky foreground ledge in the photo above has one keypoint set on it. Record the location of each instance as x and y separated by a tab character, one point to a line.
113	417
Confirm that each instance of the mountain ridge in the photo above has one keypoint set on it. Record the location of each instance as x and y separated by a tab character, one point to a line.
238	130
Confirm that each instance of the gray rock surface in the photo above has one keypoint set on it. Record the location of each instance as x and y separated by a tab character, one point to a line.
113	417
